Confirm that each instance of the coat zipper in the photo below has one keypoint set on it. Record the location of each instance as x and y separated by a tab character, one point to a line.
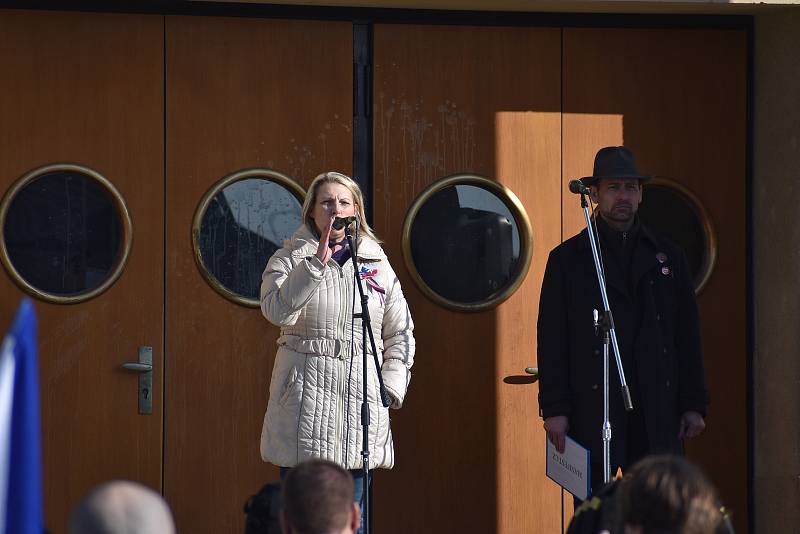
340	331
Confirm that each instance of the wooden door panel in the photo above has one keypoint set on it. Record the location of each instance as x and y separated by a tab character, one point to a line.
486	101
87	88
241	93
678	99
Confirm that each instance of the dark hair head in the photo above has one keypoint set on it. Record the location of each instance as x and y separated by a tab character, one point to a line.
317	497
669	495
262	511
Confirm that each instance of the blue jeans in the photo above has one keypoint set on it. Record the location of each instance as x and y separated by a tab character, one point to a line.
358	483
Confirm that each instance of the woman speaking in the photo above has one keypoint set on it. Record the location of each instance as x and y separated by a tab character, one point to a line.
308	290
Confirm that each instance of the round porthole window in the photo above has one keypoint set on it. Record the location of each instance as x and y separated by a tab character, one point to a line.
239	224
674	211
66	233
467	242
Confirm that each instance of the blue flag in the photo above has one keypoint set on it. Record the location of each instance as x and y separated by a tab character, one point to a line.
21	496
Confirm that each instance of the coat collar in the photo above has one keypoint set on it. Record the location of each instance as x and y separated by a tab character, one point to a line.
645	234
645	257
303	243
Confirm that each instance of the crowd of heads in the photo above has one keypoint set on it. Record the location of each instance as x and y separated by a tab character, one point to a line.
658	495
316	497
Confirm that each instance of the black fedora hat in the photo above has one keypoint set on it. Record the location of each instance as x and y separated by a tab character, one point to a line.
614	162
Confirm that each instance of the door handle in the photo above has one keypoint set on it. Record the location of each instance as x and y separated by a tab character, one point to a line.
532	371
138	367
145	369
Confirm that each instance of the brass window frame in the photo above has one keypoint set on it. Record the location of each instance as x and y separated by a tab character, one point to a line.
709	259
122	256
271	175
522	221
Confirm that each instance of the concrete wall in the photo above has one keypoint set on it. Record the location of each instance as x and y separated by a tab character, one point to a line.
776	241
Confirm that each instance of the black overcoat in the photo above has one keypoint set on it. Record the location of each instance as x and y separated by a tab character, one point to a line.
656	319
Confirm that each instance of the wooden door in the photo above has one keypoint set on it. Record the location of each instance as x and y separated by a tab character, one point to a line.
469	441
87	89
241	93
678	99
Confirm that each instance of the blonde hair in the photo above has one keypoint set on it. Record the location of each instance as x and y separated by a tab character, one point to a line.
358	198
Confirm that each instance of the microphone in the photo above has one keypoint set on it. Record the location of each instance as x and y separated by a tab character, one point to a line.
341	222
577	187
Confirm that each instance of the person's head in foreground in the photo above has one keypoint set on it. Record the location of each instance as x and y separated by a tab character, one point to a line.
669	495
317	498
122	507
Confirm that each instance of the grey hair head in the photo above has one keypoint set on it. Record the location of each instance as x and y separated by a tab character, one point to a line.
122	506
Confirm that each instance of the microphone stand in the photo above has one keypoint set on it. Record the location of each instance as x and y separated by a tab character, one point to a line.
605	324
366	331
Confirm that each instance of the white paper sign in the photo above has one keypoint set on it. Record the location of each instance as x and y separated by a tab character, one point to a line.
571	469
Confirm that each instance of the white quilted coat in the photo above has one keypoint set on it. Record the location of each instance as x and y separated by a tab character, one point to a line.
315	393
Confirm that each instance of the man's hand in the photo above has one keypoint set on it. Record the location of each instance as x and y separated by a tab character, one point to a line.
556	428
692	424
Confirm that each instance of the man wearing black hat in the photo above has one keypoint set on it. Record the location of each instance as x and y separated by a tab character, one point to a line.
651	295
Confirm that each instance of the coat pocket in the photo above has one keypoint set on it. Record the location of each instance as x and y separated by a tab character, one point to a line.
292	389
